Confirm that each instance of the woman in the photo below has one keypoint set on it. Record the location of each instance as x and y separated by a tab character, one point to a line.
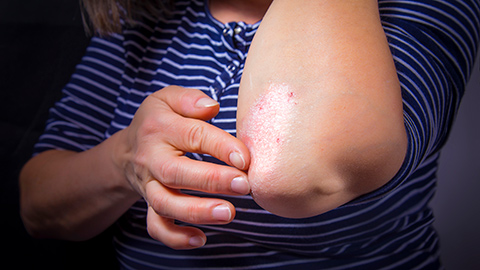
343	107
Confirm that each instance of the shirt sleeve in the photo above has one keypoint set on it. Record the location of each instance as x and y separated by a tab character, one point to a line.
79	120
434	45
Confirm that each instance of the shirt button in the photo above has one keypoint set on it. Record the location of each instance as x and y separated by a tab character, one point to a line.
225	31
237	30
231	67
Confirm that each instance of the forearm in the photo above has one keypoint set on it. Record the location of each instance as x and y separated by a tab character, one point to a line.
320	106
72	195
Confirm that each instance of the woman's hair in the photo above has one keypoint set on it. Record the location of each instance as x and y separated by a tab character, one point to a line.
105	17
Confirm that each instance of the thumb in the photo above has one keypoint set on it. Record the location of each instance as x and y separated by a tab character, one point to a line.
188	102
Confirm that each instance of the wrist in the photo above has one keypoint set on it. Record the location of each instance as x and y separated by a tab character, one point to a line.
119	154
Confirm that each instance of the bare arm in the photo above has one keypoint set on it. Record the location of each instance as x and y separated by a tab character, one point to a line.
72	195
320	106
75	196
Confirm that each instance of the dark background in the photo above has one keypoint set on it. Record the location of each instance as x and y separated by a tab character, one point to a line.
457	202
40	43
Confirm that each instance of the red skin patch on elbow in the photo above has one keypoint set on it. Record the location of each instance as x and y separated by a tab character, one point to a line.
268	127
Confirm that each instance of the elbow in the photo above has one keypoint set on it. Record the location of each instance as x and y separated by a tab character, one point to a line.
309	156
32	227
43	227
321	178
28	214
291	196
37	218
36	225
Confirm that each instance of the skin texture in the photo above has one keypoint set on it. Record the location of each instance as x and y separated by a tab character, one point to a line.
75	196
248	11
269	125
83	193
347	137
320	76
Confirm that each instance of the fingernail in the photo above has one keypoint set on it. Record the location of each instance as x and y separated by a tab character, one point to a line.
237	160
196	241
240	185
222	213
206	103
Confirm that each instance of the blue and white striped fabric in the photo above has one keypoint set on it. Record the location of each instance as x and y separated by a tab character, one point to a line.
433	43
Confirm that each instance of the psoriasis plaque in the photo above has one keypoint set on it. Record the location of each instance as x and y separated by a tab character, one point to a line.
268	128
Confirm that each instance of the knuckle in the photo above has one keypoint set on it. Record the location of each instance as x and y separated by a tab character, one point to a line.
159	204
212	181
148	125
194	214
169	172
195	137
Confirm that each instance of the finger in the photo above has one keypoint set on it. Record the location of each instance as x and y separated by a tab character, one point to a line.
196	136
195	210
191	103
185	173
175	236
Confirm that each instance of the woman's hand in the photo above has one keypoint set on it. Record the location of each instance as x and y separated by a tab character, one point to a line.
169	123
76	195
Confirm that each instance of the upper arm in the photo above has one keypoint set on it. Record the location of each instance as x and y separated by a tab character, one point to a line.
434	45
320	106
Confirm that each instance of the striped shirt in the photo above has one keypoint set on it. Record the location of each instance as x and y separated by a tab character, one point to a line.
433	43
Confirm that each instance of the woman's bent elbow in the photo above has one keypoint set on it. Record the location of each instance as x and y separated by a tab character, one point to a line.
314	182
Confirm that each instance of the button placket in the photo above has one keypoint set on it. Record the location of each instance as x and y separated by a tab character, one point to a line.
235	38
